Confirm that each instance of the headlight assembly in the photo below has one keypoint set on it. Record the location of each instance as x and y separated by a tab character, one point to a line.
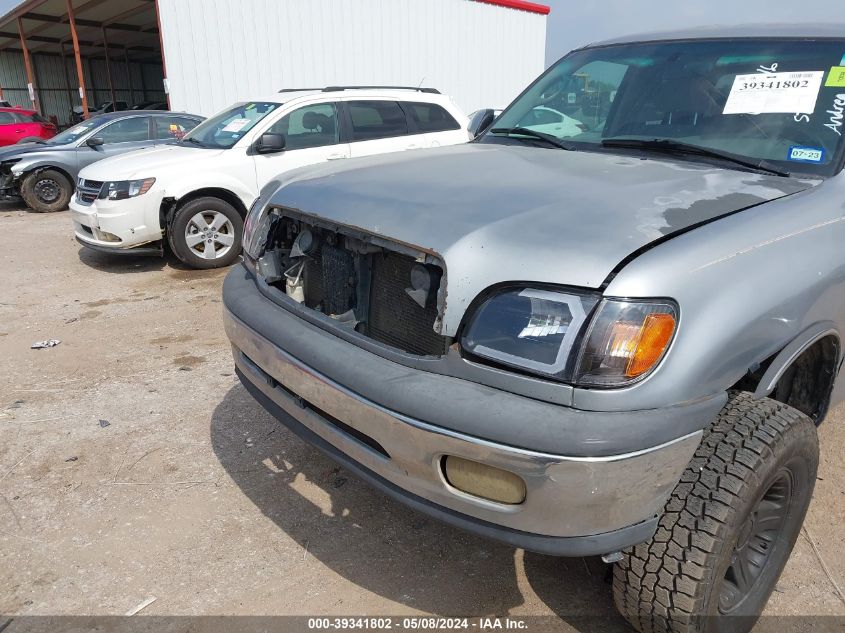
530	329
123	189
564	336
256	227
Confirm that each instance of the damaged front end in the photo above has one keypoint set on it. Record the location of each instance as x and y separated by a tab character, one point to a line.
386	291
9	181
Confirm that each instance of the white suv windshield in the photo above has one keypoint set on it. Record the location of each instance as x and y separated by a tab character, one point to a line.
775	101
227	128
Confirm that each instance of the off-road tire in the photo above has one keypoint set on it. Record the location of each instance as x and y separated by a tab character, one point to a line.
34	182
177	239
674	581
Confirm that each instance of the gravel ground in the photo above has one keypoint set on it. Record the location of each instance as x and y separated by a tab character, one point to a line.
133	465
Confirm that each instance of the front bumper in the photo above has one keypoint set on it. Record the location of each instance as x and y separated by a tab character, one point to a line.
116	225
574	505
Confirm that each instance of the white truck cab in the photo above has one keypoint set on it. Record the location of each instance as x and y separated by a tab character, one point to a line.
196	193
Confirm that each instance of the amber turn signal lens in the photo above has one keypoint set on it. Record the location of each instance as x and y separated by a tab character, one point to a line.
653	338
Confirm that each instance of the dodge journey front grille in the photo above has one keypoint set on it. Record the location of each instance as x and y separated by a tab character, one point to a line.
88	190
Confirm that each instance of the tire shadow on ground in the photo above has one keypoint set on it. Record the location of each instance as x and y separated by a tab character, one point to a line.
386	548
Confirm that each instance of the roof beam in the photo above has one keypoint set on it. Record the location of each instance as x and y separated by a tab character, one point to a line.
127	14
28	66
56	19
43	39
96	56
80	75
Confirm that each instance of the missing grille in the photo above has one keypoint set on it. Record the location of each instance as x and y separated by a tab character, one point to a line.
391	296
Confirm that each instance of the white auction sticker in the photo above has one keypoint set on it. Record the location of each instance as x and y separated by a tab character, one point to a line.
787	93
236	125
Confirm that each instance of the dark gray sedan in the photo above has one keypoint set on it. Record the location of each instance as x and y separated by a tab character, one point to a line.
44	173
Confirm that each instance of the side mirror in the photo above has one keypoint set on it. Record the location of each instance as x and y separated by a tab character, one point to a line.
480	120
270	143
94	142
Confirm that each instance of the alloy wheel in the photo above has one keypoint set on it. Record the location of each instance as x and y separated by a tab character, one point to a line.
210	234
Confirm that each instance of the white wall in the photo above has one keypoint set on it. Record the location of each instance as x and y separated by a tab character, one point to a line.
217	52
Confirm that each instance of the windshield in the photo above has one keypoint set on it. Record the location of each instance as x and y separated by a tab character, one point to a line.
227	128
73	134
779	101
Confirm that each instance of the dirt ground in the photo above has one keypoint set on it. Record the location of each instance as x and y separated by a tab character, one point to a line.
133	465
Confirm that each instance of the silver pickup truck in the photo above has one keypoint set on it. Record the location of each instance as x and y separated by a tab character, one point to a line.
608	326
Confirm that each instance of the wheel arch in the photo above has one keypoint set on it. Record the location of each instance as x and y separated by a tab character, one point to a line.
38	167
803	373
170	204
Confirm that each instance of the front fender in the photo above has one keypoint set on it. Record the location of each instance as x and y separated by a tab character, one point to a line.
189	184
751	286
26	165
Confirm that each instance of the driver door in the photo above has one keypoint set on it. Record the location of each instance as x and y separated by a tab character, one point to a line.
312	135
125	135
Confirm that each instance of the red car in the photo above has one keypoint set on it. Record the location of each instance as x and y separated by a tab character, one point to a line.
18	125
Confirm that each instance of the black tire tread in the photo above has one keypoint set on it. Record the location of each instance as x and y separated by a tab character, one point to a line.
660	585
32	201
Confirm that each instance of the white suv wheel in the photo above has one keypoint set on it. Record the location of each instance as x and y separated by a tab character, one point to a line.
210	234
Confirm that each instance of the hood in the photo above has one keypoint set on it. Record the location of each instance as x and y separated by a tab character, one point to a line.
498	213
12	152
145	163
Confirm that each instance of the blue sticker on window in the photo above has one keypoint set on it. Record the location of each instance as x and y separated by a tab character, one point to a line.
806	154
842	61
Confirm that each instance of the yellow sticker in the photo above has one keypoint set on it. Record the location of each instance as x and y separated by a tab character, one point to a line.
836	78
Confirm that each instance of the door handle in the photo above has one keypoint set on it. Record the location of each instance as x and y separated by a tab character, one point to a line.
19	131
414	147
336	156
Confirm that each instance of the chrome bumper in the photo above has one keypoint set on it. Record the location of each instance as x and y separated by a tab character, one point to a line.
566	496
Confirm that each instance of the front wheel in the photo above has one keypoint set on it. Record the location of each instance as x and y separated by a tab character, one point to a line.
46	191
206	233
729	526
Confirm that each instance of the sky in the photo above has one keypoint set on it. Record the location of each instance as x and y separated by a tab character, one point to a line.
8	5
573	23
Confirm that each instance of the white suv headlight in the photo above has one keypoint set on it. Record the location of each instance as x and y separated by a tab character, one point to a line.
123	189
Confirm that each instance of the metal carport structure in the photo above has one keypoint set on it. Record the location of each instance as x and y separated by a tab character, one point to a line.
57	54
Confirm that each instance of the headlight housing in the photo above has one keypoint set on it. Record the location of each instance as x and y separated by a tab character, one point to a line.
123	189
528	328
562	335
256	226
625	342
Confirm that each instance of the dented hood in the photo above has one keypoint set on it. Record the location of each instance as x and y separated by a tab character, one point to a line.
497	213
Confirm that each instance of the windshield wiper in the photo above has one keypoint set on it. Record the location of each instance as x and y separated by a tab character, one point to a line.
524	131
195	141
679	147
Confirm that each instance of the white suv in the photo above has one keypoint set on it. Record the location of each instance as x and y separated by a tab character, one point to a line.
196	193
